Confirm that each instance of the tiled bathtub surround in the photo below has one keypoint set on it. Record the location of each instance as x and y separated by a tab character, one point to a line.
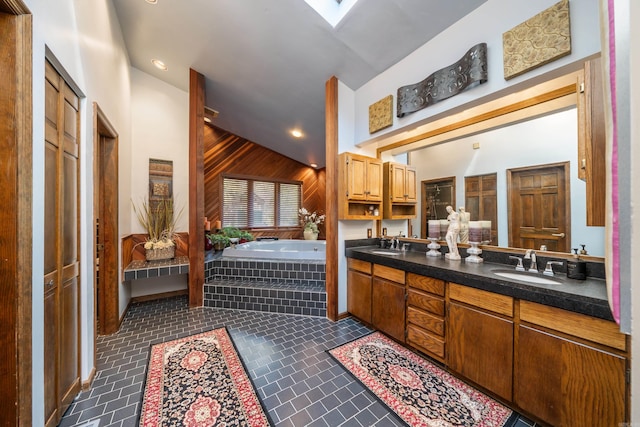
298	272
290	287
308	300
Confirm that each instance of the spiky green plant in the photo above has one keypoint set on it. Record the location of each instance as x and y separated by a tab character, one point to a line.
158	219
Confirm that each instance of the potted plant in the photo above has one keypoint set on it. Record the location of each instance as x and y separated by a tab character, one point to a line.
159	220
219	241
310	222
245	236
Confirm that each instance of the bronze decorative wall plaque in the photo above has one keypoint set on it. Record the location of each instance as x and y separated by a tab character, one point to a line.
468	72
537	41
381	114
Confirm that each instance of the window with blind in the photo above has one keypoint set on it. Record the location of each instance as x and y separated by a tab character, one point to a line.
260	203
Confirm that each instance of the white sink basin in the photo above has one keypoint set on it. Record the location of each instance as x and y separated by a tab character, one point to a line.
383	252
527	277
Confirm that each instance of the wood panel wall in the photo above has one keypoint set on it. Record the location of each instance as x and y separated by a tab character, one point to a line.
225	152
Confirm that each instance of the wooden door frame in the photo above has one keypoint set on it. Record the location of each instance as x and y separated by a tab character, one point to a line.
567	198
109	283
18	234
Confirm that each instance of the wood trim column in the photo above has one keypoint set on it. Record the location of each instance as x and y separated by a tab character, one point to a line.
16	252
196	188
331	222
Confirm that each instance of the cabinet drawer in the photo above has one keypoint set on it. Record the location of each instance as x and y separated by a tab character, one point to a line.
426	302
359	265
426	321
500	304
425	341
579	325
391	274
427	284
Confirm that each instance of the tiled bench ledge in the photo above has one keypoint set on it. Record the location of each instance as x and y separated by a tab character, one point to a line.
139	269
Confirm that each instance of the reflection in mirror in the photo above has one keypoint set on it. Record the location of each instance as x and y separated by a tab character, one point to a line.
548	139
436	196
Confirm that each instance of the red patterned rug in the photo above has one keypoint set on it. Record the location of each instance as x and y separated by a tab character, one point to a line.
419	392
199	381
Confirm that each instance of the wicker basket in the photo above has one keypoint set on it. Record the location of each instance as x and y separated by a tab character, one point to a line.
160	254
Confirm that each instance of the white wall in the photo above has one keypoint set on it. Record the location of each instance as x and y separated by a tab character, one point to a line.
544	140
485	24
85	37
160	130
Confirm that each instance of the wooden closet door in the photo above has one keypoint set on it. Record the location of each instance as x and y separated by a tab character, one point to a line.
61	243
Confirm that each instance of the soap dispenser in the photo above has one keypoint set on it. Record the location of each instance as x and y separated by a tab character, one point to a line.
576	268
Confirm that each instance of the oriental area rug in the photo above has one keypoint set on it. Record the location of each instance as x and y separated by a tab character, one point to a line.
419	392
199	381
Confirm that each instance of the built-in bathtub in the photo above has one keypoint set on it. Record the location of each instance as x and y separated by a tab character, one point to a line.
281	276
279	249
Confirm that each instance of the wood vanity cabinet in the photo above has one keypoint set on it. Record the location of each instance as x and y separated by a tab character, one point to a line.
399	190
425	327
592	140
388	301
480	338
360	186
570	369
359	289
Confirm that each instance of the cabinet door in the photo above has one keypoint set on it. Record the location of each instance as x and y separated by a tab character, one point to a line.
480	347
356	175
410	185
397	179
565	383
374	180
359	295
388	308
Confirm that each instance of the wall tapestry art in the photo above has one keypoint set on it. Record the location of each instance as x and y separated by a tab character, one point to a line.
160	180
537	41
468	72
381	114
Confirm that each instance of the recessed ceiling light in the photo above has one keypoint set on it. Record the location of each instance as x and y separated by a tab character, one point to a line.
207	119
313	165
159	64
151	1
297	133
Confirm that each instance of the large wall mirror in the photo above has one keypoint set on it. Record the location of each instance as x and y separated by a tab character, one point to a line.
545	135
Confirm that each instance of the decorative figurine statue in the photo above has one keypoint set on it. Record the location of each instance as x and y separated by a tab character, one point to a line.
452	234
465	217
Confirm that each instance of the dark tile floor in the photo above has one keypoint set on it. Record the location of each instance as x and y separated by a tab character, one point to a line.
298	382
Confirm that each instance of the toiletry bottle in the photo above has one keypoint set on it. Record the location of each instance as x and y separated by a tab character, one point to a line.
576	268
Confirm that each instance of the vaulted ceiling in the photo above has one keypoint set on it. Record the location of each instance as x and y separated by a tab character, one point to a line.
266	62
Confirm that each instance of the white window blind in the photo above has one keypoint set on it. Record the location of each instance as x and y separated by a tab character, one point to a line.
252	203
289	204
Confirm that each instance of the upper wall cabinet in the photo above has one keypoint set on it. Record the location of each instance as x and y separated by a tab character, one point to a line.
592	140
360	187
400	191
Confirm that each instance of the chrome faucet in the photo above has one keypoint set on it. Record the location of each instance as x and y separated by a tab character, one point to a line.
548	271
531	254
519	267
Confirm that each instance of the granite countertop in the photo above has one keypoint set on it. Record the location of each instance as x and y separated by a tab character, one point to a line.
581	296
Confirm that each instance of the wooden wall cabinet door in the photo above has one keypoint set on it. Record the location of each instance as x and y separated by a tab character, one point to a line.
400	191
592	140
388	301
566	383
360	186
480	338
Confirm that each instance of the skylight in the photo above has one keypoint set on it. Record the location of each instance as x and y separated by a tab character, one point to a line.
332	11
